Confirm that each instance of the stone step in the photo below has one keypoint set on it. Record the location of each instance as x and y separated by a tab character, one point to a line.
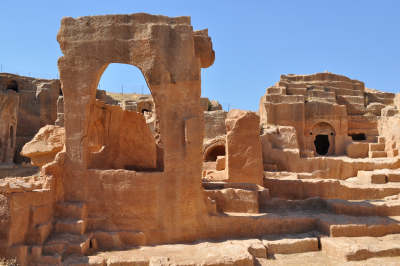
234	200
70	210
42	231
223	185
378	175
79	260
119	239
53	259
377	154
377	147
372	177
292	188
361	248
350	226
270	167
38	258
364	208
279	204
276	90
68	244
71	226
291	243
348	99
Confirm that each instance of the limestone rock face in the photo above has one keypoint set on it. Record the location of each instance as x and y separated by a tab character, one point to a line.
243	148
43	148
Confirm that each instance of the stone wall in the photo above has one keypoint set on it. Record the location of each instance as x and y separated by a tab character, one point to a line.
214	124
37	106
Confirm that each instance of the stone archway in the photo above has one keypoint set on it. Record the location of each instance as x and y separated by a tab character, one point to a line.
213	148
323	139
12	85
170	55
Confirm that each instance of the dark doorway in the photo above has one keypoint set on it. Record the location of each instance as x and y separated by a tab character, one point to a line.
214	153
358	137
322	144
12	85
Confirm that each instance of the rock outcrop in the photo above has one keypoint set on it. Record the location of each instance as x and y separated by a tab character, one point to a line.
43	148
243	148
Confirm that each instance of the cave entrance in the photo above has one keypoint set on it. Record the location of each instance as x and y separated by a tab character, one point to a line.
12	85
214	152
322	144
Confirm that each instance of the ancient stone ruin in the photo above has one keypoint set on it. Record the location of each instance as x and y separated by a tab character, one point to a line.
37	107
172	179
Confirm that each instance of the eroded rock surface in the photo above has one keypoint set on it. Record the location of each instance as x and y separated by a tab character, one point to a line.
42	149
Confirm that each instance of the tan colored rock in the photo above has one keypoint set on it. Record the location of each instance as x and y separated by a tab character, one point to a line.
204	102
203	48
361	248
234	200
288	244
215	105
42	149
389	111
372	177
243	148
111	140
357	150
220	163
203	253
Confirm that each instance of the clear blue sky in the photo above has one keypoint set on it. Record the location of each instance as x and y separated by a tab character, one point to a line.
254	41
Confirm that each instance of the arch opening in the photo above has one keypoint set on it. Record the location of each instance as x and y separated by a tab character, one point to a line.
323	137
124	82
121	138
214	152
12	85
322	144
